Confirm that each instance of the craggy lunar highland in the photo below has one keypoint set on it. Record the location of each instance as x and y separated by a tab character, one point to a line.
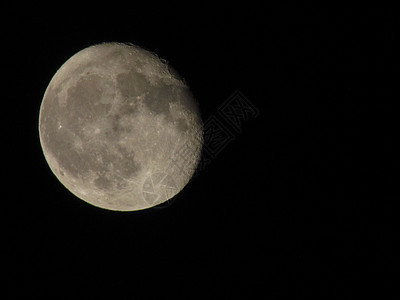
119	128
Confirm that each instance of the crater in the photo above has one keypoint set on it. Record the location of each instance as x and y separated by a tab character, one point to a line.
186	99
174	73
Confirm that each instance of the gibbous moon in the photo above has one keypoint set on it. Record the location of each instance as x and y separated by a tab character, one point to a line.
120	128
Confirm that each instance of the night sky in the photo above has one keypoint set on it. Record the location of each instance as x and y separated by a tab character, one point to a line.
300	199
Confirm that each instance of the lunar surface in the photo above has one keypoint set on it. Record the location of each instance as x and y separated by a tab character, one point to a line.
120	128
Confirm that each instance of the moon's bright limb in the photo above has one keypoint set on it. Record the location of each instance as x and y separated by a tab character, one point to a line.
112	123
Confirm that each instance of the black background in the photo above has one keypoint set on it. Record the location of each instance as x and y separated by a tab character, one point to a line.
302	202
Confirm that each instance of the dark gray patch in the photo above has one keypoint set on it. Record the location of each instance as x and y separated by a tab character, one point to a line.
159	98
83	66
102	183
128	109
132	84
111	133
83	101
121	184
127	167
121	126
117	125
181	124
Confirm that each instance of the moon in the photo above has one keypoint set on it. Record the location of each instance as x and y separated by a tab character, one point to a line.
120	128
